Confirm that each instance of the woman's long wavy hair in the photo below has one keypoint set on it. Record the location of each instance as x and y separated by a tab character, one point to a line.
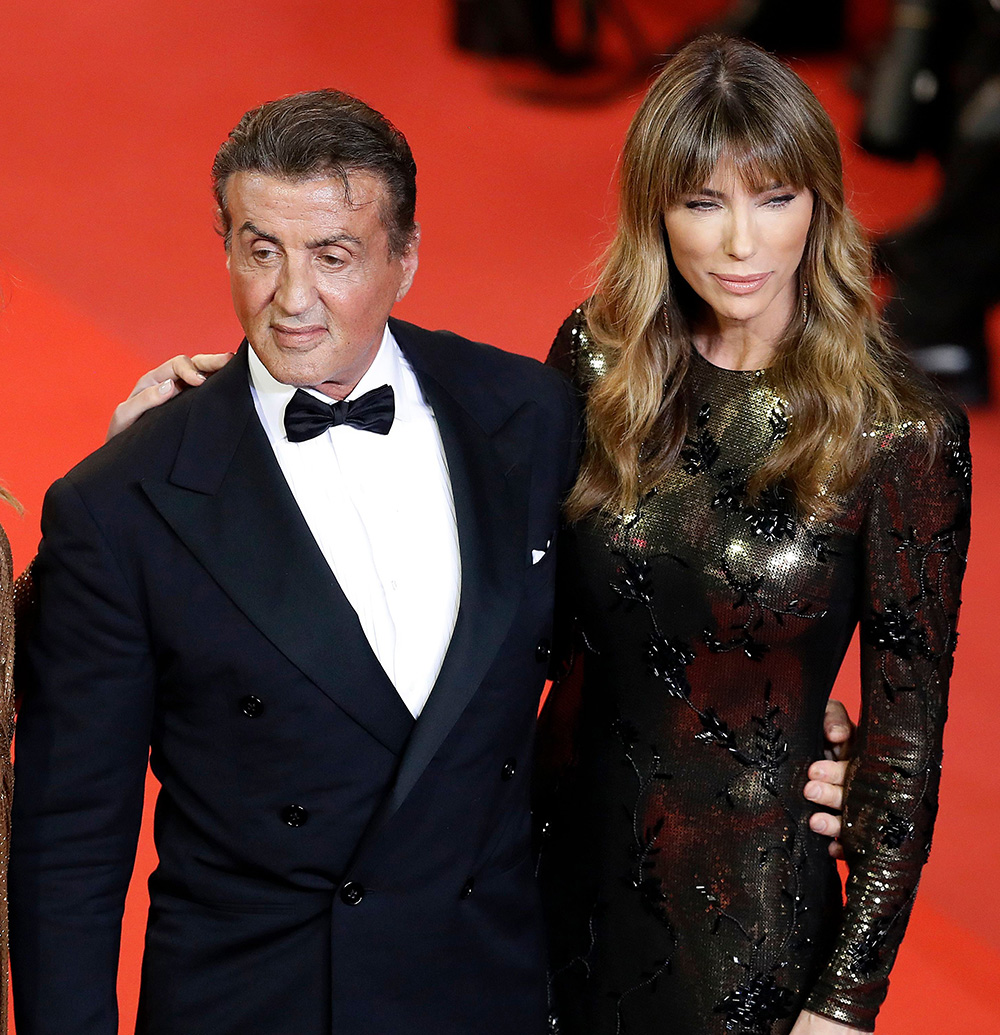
7	497
725	99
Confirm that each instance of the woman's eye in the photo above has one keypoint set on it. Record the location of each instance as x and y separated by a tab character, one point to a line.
700	205
780	199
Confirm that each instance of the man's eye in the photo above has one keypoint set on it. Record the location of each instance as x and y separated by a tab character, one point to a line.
263	254
333	261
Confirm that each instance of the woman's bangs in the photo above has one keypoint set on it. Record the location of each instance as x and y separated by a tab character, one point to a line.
759	157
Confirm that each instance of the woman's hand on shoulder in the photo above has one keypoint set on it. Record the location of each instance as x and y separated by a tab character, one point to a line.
809	1023
157	386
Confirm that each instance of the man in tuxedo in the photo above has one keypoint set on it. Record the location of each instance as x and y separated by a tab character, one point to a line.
317	594
326	625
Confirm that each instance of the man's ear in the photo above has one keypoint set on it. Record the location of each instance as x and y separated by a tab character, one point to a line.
409	261
220	229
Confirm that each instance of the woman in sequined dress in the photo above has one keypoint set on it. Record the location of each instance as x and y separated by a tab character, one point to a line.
762	472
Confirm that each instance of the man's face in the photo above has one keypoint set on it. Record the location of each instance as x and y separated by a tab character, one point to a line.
312	277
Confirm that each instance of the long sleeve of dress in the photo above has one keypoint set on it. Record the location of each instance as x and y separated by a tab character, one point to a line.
914	545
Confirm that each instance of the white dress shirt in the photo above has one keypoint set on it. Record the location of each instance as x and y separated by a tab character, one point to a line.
381	510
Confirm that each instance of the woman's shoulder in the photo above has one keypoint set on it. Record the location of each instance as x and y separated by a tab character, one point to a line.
929	417
932	432
575	353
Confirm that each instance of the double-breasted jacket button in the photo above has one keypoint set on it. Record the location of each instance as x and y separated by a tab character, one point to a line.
509	769
251	706
468	887
543	651
352	893
294	815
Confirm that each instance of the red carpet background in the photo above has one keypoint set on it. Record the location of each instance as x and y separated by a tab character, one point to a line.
110	113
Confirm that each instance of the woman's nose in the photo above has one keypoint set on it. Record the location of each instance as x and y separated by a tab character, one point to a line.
740	241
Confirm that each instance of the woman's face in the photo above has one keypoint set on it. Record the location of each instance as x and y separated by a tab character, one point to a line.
740	249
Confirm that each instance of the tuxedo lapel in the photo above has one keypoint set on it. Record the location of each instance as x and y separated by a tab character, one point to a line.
490	480
229	503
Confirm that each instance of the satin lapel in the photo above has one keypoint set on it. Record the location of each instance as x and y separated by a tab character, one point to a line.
490	488
229	503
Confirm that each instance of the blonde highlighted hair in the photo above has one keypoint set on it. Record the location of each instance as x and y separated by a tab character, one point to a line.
725	99
7	497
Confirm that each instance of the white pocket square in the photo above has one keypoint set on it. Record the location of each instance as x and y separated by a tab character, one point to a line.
537	555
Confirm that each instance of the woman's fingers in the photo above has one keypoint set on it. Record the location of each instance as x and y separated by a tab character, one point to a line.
838	730
141	400
157	386
826	787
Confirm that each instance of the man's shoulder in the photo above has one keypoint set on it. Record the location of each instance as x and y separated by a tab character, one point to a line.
450	356
150	447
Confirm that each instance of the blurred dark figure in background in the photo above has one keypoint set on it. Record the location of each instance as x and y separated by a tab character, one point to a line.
536	29
523	28
579	51
786	26
937	88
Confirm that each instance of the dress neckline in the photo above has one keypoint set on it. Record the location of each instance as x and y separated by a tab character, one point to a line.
727	371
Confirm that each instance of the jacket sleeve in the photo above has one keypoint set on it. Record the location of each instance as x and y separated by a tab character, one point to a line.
86	679
914	543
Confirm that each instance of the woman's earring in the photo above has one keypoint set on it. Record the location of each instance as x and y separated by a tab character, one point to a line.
805	302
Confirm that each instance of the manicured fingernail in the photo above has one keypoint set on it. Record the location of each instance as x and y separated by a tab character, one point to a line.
164	386
204	377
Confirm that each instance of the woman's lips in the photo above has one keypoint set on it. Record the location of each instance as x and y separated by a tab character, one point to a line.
746	284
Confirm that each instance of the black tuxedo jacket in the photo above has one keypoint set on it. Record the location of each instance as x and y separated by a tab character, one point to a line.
326	864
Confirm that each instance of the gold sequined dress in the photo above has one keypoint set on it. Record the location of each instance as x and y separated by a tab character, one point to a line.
685	892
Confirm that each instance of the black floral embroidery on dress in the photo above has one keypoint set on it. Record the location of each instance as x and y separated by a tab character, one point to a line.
819	543
732	492
896	629
959	464
865	954
668	659
633	580
895	830
753	1006
644	850
717	731
778	421
701	450
773	516
768	750
770	745
749	595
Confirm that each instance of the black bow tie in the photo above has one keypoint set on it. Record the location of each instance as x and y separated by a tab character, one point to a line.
306	416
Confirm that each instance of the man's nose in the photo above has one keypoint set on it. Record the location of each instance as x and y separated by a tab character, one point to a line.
296	291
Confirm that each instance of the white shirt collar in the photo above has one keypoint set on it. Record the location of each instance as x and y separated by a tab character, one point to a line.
389	367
